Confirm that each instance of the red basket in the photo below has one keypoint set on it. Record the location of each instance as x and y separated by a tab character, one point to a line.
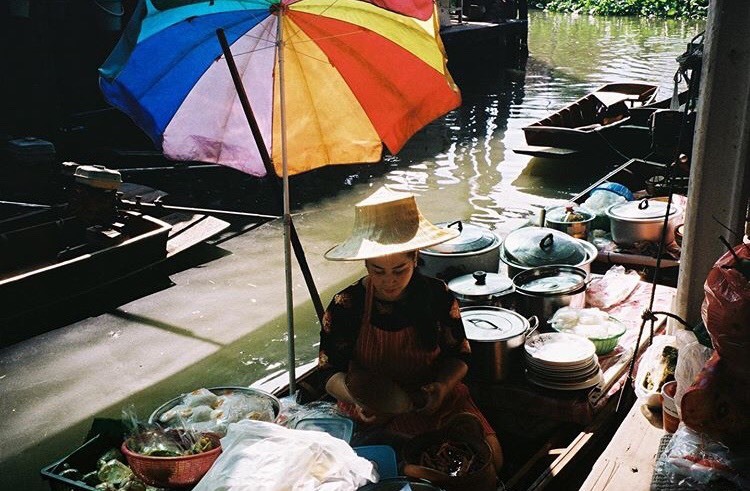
171	472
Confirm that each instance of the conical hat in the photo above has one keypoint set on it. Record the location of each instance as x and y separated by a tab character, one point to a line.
388	222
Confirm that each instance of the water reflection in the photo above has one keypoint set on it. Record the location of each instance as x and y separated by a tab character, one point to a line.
462	166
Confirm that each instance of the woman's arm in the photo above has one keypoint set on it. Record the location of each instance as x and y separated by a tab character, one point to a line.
450	372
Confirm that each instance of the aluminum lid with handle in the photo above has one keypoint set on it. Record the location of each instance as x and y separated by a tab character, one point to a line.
541	246
490	324
644	210
480	286
472	238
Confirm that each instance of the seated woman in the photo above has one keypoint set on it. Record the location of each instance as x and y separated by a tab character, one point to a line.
398	324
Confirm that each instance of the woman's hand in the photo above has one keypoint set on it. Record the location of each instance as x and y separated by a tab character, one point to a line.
368	416
434	394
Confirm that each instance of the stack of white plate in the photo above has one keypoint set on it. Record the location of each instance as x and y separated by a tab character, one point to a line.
562	361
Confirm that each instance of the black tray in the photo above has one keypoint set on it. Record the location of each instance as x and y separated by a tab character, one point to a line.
104	435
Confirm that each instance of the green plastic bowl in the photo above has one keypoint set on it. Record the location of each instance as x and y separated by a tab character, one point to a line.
603	345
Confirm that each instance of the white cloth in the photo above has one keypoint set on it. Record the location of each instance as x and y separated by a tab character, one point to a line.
262	456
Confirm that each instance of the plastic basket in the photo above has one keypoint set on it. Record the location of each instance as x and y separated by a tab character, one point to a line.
167	472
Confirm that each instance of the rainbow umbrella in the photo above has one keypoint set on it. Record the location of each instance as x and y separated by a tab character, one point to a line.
329	82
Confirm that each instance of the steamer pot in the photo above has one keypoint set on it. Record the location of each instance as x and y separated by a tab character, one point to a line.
496	336
531	247
636	221
543	290
475	249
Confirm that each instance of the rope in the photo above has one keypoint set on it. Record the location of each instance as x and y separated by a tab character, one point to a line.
648	314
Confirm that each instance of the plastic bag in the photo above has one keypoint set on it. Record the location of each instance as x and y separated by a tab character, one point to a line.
615	286
693	355
259	456
726	311
693	460
655	369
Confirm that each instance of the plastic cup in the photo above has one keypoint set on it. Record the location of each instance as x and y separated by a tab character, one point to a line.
670	418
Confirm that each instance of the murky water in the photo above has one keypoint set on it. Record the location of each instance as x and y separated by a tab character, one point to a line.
463	167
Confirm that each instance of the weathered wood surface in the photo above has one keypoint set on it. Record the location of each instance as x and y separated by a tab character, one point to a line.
628	462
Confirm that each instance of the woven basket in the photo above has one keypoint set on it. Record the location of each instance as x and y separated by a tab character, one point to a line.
171	472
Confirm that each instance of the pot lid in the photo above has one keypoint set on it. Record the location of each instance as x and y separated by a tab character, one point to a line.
480	285
540	246
568	214
471	238
550	280
492	323
641	210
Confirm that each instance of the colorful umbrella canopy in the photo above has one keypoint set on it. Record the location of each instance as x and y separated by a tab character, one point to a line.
357	75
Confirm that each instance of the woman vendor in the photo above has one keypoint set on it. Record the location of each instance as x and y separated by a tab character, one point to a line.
397	324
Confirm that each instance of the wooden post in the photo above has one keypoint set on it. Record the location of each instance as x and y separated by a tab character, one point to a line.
718	188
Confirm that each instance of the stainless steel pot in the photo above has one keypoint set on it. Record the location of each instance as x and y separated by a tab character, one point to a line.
635	221
543	290
531	247
572	220
480	288
496	336
475	249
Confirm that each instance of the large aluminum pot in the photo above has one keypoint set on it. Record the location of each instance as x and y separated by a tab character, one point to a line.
531	247
543	290
475	249
480	288
636	221
496	336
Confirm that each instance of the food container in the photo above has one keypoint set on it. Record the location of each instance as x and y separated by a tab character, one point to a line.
335	426
400	484
600	328
669	415
636	221
570	219
167	472
475	249
219	391
496	336
531	247
480	288
543	290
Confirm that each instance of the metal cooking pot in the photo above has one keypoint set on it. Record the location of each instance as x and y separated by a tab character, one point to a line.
572	220
543	290
480	288
531	247
475	249
496	336
635	221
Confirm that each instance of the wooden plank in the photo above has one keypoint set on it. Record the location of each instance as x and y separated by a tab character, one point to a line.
628	462
190	229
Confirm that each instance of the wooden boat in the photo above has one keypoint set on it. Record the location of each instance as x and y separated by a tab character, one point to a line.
581	125
54	261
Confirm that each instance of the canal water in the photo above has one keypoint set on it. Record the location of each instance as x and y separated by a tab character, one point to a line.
226	312
462	166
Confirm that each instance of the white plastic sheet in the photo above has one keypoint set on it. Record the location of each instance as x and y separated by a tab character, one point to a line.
261	456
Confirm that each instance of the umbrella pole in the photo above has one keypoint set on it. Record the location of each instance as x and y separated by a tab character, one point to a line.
296	244
287	214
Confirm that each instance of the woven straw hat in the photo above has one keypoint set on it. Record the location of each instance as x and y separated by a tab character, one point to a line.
388	222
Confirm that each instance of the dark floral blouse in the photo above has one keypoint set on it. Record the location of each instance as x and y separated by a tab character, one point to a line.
427	304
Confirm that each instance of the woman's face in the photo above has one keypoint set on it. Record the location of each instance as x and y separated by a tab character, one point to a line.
390	274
